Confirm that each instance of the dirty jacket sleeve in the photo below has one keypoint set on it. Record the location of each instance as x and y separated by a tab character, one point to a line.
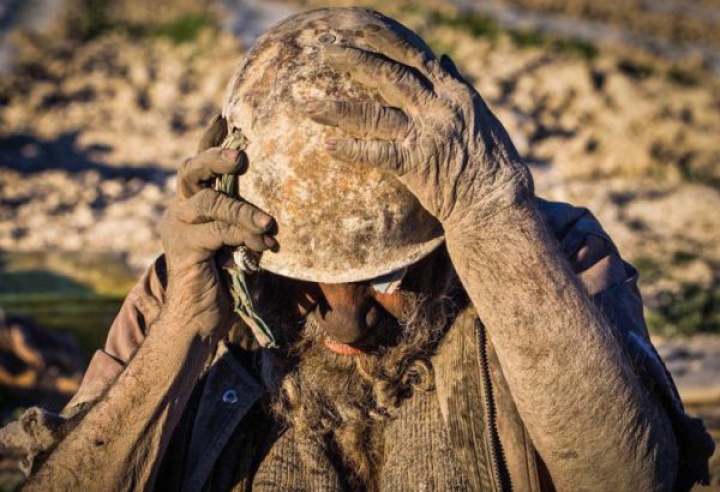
592	255
612	283
33	436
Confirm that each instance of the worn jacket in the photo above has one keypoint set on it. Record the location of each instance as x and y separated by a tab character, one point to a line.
485	432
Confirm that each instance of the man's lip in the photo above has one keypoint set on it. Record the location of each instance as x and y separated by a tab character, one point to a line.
342	348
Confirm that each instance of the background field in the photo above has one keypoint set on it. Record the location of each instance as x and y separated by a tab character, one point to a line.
615	105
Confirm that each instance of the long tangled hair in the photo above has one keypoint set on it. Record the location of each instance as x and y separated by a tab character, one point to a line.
342	403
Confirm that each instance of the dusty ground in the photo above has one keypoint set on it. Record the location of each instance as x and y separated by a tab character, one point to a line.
91	133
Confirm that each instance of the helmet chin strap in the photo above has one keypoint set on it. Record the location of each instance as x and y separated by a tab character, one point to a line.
246	261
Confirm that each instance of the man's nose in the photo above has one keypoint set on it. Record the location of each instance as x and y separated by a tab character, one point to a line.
348	311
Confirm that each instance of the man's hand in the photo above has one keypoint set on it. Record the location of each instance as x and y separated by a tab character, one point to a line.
198	223
438	136
573	385
120	443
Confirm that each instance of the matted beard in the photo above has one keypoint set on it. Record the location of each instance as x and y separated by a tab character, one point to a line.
341	402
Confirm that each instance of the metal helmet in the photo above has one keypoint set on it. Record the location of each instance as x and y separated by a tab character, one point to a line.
337	222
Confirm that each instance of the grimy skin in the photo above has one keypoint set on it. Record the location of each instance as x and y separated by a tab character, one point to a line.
588	416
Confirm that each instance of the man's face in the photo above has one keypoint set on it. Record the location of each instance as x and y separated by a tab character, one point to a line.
353	317
350	355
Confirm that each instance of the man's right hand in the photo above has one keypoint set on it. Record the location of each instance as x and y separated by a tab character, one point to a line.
199	222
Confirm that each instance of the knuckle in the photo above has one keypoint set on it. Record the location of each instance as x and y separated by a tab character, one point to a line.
219	228
202	200
374	116
365	58
355	151
240	215
184	167
241	212
396	73
219	203
344	109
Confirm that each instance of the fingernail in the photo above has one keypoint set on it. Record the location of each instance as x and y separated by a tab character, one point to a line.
270	242
242	163
331	143
315	106
230	155
261	219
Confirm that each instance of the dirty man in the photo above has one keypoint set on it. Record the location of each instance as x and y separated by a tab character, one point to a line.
361	291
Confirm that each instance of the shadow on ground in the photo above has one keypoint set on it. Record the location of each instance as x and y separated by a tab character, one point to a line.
28	154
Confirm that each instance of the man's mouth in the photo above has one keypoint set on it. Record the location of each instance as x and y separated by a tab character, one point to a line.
342	348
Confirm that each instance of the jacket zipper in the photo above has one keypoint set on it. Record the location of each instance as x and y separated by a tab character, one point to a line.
495	451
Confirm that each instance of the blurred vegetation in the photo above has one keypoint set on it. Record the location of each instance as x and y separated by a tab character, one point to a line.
483	26
693	309
683	76
682	308
89	19
71	292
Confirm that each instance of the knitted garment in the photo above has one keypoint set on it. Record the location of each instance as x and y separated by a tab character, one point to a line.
262	458
417	454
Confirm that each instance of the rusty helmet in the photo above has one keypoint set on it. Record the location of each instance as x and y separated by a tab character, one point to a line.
337	222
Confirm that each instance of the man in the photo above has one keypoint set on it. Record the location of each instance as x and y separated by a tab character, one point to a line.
485	340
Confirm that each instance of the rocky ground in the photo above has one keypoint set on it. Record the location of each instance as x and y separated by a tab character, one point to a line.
91	133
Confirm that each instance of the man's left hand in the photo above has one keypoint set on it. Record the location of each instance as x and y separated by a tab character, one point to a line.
437	134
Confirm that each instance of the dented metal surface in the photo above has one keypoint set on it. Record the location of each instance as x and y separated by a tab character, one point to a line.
337	222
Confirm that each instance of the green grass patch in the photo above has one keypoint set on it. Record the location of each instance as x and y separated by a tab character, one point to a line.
185	29
87	318
534	39
650	269
693	309
479	26
94	20
527	39
482	26
77	293
575	47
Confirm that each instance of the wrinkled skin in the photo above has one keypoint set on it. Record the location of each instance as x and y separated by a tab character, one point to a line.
588	416
445	145
590	420
200	221
134	420
112	446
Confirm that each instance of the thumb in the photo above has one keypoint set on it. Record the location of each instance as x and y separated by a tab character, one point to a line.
214	134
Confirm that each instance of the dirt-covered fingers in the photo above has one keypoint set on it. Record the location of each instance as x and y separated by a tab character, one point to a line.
210	205
364	119
387	155
232	217
214	134
198	172
398	84
212	236
398	45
